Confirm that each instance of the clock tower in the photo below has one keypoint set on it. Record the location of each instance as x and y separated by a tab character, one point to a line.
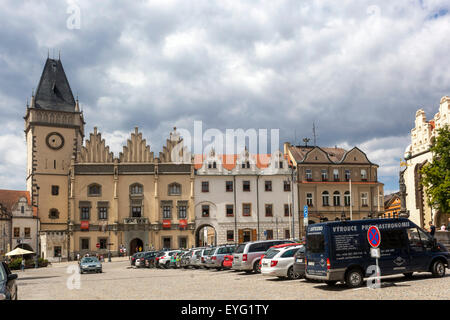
54	130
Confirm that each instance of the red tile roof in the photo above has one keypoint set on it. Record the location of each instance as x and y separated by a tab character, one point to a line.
9	198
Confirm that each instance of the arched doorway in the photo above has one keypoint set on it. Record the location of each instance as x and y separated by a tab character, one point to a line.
205	235
135	245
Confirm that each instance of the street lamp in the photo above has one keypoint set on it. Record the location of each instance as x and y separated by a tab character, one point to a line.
36	258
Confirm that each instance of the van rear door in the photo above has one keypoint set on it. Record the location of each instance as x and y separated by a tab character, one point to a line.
316	251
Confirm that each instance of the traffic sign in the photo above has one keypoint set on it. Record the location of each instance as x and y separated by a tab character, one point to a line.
305	212
374	236
98	245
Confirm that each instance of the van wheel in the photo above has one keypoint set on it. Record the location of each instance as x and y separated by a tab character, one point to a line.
354	278
331	283
438	269
257	267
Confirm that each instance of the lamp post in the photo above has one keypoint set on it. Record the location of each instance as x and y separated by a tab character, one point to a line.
36	258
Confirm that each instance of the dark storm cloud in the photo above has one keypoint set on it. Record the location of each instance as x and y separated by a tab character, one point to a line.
358	71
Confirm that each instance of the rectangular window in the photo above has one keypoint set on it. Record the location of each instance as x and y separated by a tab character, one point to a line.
364	200
229	186
363	175
268	185
16	232
167	212
246	209
85	213
246	185
27	232
182	241
84	244
286	234
286	210
229	210
269	211
230	235
324	175
103	243
347	175
22	209
308	174
205	186
286	186
347	198
57	251
55	190
309	199
269	234
182	212
103	213
205	211
136	212
336	174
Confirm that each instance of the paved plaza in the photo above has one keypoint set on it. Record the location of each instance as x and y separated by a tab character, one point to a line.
121	281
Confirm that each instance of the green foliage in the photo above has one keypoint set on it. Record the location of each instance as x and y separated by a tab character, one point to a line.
436	175
16	263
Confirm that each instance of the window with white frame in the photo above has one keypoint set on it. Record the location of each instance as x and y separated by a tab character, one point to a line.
364	199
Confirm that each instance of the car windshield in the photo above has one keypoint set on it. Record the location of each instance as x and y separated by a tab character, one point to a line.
271	253
240	249
89	260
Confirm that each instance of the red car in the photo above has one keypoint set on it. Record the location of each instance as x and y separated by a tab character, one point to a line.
227	261
277	247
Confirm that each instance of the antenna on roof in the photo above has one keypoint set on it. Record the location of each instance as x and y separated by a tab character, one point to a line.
59	54
48	53
306	140
314	134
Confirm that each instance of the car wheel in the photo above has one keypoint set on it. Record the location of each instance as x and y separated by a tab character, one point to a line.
354	278
291	274
331	283
81	271
408	275
256	267
438	269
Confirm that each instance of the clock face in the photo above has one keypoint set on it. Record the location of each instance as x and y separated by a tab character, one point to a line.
55	140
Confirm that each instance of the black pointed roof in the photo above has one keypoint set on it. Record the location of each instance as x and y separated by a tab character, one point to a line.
53	91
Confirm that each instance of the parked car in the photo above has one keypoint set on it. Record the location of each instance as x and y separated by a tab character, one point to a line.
8	286
88	264
247	255
175	260
278	246
217	256
195	260
340	251
206	257
145	259
134	257
280	263
164	258
299	262
227	261
186	259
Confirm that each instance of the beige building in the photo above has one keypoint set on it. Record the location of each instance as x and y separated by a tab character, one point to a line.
5	231
323	178
90	201
417	154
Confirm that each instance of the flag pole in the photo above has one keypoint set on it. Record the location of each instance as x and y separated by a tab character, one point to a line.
351	202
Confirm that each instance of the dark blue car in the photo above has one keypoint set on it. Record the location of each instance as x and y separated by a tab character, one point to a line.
340	251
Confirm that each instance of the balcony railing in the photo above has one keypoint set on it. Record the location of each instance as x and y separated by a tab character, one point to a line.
135	220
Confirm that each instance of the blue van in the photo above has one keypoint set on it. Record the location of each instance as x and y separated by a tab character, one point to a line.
339	250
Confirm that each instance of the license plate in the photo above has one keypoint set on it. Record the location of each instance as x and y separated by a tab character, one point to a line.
311	263
265	264
299	260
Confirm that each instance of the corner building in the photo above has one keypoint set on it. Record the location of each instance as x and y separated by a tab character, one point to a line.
90	201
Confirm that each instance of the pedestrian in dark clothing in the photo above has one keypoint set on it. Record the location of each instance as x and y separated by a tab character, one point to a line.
432	229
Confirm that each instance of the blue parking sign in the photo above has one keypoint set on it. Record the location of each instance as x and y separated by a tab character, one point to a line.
305	212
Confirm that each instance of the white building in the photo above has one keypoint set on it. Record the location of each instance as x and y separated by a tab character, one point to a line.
245	197
417	154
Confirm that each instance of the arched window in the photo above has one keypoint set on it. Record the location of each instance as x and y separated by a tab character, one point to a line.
136	189
347	198
325	199
174	189
94	190
336	198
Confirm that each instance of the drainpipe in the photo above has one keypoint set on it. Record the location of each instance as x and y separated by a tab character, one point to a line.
257	205
236	235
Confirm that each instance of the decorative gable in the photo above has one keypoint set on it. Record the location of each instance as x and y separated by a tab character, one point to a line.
355	155
96	150
175	151
136	150
317	155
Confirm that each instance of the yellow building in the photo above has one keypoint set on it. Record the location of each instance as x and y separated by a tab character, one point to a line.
392	206
90	201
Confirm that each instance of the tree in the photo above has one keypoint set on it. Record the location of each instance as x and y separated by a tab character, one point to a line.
436	175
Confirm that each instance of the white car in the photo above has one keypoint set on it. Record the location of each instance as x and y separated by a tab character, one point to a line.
280	263
164	260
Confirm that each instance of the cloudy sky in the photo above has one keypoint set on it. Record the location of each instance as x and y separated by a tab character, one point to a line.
358	69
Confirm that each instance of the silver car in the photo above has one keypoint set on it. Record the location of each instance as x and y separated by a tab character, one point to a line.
195	260
247	255
280	262
218	255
